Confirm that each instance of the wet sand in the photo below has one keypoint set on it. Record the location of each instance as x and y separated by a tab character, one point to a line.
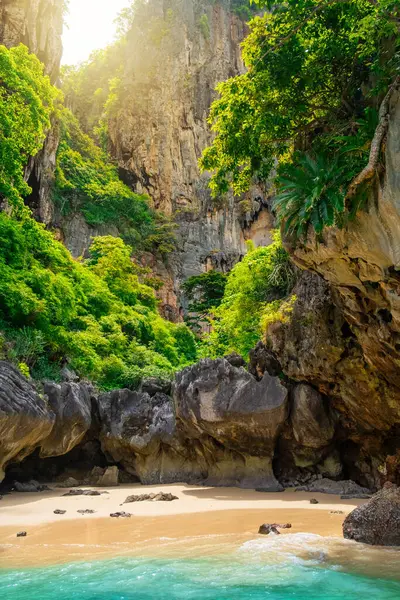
202	521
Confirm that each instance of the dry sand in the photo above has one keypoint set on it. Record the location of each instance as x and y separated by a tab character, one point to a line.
202	521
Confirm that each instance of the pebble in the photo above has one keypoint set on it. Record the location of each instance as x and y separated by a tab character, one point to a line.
21	534
59	512
314	501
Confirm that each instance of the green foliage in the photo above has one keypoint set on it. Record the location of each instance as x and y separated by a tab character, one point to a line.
86	181
256	285
315	69
312	192
27	101
205	293
204	26
96	316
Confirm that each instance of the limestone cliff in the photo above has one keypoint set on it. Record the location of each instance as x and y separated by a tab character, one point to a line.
175	57
344	334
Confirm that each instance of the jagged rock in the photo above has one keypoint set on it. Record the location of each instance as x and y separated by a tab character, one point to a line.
339	488
71	403
153	385
214	400
25	420
236	360
30	486
109	477
120	514
268	528
160	497
376	522
22	534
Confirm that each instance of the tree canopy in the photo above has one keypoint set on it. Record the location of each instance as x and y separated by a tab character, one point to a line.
316	71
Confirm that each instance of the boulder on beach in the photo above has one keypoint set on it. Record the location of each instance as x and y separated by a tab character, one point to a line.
377	522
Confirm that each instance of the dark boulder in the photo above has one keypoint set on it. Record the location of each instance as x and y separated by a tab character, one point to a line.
377	522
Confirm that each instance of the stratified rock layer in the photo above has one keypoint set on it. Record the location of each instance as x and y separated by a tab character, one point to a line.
376	522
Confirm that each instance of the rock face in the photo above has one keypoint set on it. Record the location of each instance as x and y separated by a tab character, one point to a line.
71	405
24	417
376	522
343	337
318	345
175	56
214	400
138	432
361	264
220	427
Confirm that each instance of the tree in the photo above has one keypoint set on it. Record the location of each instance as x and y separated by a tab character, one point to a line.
257	284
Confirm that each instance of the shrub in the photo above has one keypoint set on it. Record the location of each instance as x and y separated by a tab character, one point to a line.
255	286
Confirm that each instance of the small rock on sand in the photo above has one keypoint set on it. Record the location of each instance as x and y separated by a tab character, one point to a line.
314	501
59	511
86	511
79	492
22	534
120	514
336	512
30	486
160	497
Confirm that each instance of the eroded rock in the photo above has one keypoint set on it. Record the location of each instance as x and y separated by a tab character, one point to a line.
71	404
216	402
25	420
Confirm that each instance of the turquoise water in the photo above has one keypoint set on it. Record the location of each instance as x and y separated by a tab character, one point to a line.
245	574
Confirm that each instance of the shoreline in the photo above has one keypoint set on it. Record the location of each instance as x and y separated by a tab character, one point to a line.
203	522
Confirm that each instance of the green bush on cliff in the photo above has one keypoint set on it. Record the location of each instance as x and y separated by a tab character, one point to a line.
255	287
87	182
27	100
97	316
314	70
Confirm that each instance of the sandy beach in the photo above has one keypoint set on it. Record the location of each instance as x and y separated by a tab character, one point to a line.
202	520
